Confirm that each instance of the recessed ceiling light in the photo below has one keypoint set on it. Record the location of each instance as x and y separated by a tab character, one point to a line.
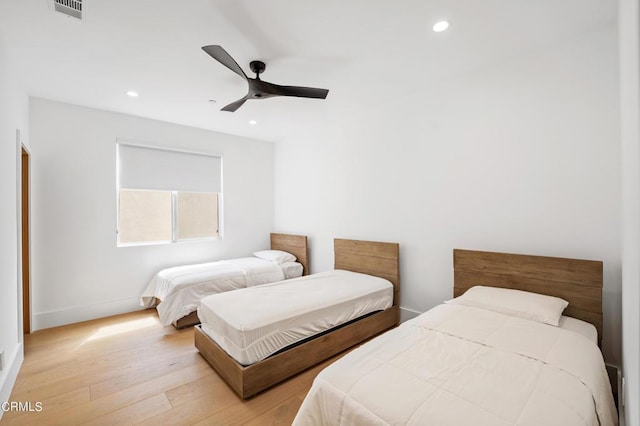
132	94
253	122
440	26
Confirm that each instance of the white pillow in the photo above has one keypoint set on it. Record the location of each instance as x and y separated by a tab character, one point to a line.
277	256
523	304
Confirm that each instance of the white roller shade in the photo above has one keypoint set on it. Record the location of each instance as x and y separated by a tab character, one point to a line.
160	169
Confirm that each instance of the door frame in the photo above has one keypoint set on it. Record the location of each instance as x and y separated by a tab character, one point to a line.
25	234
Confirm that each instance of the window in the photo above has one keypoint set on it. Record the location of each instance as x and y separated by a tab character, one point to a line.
196	215
166	196
144	216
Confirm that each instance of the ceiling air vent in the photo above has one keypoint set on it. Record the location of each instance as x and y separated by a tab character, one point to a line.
71	8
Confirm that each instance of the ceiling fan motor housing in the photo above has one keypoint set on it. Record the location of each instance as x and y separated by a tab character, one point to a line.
257	67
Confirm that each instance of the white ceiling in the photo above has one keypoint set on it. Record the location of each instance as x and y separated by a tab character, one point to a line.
369	53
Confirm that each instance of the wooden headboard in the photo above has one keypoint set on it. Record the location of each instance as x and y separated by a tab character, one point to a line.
579	282
294	244
370	257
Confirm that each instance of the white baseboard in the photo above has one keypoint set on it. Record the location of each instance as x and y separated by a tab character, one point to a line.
80	313
9	373
407	314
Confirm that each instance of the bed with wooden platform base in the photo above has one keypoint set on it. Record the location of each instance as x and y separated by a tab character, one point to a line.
364	257
213	277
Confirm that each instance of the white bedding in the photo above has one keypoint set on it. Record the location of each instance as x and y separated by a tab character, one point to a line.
583	328
253	323
181	288
291	270
458	365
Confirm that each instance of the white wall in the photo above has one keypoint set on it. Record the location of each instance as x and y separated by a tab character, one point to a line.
13	116
629	23
78	272
521	157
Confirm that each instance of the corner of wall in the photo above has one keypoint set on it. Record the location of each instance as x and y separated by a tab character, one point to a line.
9	374
406	314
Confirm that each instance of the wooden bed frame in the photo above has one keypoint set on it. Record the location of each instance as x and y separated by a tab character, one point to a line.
579	282
373	258
294	244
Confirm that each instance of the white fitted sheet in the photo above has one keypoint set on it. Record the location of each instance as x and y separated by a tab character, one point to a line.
583	328
459	365
251	324
181	288
291	269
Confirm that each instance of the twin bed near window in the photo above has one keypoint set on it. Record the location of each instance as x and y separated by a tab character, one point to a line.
176	292
481	361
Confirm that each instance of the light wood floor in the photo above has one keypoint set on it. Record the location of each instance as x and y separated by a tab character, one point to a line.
128	369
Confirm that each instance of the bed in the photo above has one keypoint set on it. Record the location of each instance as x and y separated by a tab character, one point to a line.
176	292
354	262
464	364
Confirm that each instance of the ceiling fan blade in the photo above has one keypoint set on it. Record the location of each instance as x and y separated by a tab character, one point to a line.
221	55
298	91
234	105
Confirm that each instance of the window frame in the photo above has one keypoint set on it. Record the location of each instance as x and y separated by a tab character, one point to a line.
174	196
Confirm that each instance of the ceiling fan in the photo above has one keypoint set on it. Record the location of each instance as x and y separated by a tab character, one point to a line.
259	89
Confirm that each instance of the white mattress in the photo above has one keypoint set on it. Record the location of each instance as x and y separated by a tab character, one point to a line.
253	323
459	365
181	288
